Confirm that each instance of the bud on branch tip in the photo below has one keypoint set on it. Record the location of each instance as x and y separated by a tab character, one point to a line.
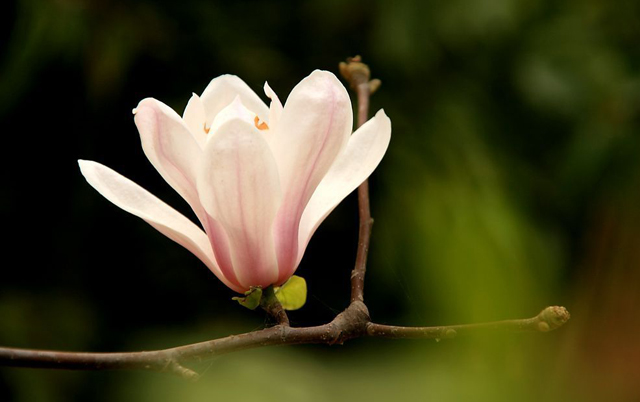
356	73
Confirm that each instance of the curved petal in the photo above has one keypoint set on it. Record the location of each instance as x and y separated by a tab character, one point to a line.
364	152
134	199
239	186
275	108
195	118
313	130
235	110
170	147
222	90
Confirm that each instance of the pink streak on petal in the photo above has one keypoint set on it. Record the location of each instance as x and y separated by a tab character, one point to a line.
288	219
170	147
239	183
296	199
220	245
250	252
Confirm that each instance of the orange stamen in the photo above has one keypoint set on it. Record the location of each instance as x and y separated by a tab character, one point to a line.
261	126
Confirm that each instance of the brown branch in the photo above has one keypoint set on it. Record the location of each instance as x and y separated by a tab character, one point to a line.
352	323
358	75
349	324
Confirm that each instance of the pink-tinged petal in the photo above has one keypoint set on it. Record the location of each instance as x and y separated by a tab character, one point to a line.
275	109
313	130
238	185
170	147
364	152
134	199
222	90
196	119
221	249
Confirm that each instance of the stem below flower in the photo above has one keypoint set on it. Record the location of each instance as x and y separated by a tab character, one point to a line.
272	306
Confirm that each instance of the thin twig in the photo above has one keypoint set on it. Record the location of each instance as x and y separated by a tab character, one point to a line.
549	319
358	76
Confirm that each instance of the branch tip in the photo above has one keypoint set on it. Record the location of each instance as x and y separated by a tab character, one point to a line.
356	73
552	317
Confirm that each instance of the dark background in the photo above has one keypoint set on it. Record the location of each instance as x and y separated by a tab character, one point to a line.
512	182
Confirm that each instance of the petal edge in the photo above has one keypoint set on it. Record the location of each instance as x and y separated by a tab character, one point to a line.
132	198
364	152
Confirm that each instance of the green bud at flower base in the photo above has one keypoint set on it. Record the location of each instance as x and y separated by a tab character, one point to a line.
292	295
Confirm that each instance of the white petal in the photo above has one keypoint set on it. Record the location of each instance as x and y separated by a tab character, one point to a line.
238	185
134	199
222	90
235	110
170	147
363	154
275	109
196	119
313	130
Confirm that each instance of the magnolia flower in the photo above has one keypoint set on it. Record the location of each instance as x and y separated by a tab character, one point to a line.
259	178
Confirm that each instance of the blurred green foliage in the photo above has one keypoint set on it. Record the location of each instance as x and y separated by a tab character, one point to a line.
512	182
